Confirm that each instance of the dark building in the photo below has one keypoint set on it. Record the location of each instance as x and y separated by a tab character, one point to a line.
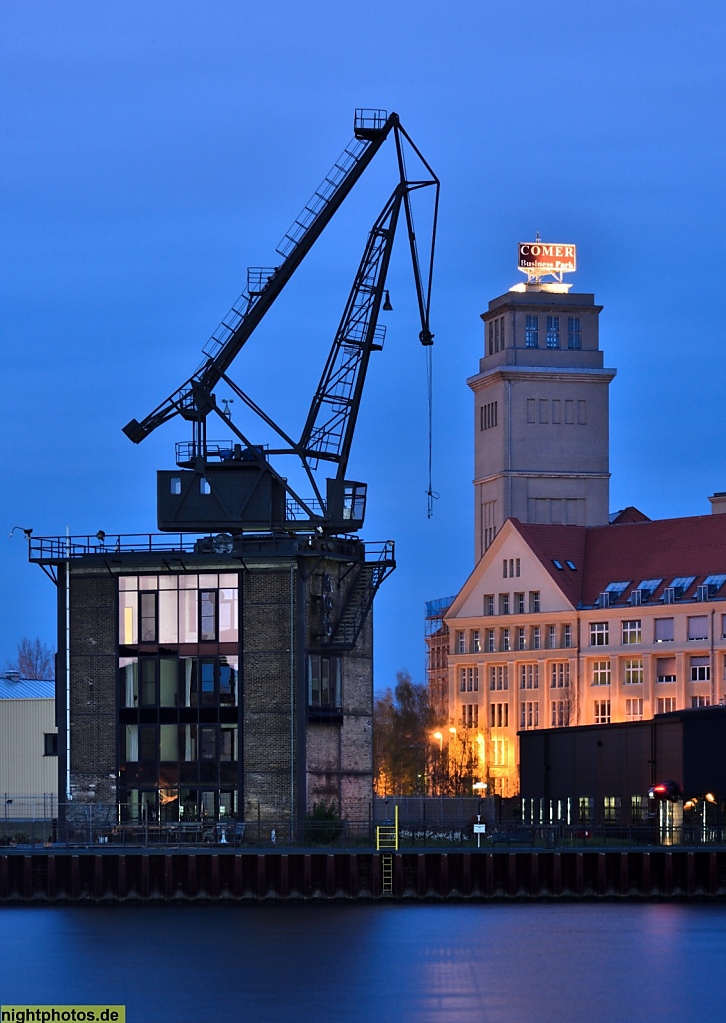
602	774
177	696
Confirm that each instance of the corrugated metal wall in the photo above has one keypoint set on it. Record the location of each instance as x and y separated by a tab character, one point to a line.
24	770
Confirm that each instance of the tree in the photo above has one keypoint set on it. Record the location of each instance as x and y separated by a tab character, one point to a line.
34	660
402	724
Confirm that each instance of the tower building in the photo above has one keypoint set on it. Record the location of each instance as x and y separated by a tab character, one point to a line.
541	410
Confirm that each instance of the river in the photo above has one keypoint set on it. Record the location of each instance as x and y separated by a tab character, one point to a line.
342	963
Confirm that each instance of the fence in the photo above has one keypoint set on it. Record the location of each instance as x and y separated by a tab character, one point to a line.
85	826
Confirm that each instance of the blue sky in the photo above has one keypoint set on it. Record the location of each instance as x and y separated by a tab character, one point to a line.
152	151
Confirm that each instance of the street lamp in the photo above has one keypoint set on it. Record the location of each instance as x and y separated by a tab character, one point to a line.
439	736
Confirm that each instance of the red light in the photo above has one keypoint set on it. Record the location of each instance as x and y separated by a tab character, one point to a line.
659	788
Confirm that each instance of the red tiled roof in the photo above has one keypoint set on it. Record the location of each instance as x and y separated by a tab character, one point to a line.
629	552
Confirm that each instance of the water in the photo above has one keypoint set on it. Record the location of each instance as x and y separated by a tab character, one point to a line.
357	964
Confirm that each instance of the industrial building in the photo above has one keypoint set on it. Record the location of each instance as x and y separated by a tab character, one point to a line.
223	667
28	748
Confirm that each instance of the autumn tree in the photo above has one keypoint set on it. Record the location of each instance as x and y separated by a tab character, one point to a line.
34	660
402	724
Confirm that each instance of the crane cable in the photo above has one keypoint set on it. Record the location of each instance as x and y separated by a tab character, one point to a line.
431	494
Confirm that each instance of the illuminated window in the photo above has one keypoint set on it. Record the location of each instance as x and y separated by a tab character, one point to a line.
475	642
599	634
611	809
602	712
601	673
631	632
633	671
586	809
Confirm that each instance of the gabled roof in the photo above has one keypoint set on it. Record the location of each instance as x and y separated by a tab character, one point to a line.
630	552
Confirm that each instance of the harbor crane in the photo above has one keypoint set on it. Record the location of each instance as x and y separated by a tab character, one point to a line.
236	486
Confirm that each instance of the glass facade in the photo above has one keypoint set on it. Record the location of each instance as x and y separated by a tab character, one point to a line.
178	696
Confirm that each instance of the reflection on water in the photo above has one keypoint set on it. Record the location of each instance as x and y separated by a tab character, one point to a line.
350	964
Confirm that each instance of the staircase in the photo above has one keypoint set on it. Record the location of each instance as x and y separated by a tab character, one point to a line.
369	576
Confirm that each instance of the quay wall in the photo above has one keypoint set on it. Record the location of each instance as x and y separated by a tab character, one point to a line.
141	876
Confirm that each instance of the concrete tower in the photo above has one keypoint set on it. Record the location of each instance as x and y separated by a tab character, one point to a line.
541	412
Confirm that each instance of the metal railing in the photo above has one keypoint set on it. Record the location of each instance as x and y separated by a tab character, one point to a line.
101	827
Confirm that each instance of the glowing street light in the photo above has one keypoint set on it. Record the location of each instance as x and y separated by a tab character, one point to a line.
439	736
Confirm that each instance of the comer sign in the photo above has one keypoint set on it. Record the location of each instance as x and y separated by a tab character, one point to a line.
541	258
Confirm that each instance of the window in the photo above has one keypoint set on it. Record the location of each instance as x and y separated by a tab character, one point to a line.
499	715
534	602
665	669
531	333
700	669
504	644
470	715
586	809
560	717
574	332
529	715
490	645
489	604
698	627
633	671
496	335
207	616
147	617
601	673
638	809
634	709
475	642
503	603
510	568
553	332
611	809
521	638
536	637
665	704
664	630
560	675
602	712
324	682
599	634
175	485
529	676
500	752
552	637
567	636
469	680
631	632
499	676
700	701
488	416
519	604
50	744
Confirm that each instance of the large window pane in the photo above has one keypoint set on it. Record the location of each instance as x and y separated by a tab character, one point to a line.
187	615
228	681
168	616
127	611
228	616
167	681
207	678
129	668
147	618
147	672
207	616
168	746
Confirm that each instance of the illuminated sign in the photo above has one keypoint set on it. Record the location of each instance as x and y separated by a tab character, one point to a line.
538	258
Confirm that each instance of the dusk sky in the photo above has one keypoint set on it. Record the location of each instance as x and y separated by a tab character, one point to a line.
152	151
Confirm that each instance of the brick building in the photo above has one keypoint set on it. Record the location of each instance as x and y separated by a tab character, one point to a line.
215	676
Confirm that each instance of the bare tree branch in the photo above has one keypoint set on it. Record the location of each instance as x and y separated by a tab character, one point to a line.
34	660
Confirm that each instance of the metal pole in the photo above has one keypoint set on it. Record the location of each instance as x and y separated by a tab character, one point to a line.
68	664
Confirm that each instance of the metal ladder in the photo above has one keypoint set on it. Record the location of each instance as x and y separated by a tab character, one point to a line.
387	838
